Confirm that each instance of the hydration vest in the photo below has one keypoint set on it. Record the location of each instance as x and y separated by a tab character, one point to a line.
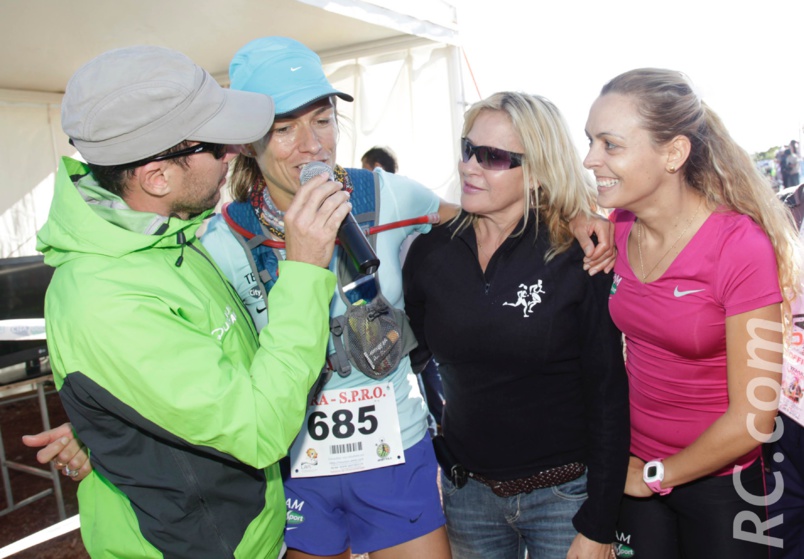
264	263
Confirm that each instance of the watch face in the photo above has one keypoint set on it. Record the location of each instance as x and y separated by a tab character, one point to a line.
652	471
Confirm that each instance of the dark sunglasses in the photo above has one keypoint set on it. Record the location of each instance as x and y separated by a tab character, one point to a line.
491	159
217	151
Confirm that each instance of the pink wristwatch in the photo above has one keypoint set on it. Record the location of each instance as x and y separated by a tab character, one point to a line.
653	475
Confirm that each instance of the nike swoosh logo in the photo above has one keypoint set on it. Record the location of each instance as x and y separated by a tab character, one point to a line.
289	528
678	293
261	310
296	68
416	519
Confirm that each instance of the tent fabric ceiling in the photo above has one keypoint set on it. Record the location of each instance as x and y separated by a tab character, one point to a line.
45	41
363	44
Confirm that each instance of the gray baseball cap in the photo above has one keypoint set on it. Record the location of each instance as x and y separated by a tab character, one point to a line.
131	103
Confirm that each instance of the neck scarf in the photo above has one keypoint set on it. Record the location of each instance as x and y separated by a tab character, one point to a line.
272	217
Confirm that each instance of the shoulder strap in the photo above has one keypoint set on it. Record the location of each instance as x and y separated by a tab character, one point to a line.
240	218
365	197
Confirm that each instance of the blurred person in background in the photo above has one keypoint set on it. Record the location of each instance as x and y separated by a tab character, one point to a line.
381	157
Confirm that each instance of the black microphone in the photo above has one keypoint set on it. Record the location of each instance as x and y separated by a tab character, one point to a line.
351	236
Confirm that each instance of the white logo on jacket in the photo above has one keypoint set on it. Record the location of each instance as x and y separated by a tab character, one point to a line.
527	297
231	318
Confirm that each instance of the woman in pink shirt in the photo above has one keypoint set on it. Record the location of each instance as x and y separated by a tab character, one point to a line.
706	254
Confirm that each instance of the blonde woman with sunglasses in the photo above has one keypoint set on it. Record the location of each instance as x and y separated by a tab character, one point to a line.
536	417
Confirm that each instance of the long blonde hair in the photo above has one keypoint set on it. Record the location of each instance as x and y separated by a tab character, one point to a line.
717	167
556	186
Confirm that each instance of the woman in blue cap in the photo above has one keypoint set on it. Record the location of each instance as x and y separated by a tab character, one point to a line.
362	473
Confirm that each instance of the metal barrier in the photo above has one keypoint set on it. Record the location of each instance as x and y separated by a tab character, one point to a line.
36	384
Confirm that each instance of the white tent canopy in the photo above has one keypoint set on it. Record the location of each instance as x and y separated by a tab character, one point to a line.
400	62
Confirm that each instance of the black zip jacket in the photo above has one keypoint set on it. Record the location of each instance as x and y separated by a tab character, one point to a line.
531	363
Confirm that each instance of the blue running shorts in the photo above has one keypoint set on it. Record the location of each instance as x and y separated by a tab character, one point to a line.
365	511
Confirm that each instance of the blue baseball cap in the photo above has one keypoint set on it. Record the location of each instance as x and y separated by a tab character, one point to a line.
283	68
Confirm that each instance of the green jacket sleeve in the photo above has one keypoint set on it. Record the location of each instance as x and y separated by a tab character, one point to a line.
146	354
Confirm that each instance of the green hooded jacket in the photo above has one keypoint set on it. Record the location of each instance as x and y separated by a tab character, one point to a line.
185	408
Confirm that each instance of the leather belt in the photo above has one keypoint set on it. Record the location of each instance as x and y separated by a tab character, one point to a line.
545	478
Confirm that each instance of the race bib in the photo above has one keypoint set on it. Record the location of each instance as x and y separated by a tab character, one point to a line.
349	430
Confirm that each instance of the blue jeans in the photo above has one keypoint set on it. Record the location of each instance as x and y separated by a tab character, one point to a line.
482	525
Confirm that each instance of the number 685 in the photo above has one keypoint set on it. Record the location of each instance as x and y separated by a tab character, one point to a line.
343	426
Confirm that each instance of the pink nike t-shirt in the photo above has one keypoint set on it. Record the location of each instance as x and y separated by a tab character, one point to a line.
675	328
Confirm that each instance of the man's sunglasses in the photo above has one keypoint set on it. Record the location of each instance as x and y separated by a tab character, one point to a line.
491	159
217	151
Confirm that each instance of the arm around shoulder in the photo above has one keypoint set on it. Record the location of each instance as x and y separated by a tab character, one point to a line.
607	417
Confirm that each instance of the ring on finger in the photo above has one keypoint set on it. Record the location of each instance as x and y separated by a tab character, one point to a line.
68	472
59	464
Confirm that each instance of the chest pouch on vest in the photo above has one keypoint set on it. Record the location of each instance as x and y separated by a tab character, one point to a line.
372	335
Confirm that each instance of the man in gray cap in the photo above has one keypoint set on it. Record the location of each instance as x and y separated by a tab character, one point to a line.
184	407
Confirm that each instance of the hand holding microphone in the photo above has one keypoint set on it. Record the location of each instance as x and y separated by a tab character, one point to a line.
312	221
350	234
